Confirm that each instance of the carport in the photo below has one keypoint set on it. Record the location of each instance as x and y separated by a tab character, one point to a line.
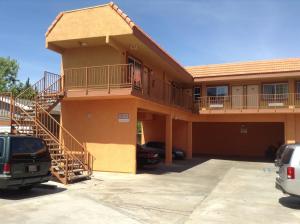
238	139
174	132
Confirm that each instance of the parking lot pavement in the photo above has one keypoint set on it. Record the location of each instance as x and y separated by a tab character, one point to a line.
196	191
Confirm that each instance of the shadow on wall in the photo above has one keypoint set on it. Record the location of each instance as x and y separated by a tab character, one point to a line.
290	202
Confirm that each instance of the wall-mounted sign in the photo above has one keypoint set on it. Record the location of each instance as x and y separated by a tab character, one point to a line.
123	117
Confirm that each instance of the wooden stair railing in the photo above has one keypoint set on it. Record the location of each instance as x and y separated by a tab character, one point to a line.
70	159
80	162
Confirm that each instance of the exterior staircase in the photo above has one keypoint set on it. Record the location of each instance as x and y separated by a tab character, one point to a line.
30	116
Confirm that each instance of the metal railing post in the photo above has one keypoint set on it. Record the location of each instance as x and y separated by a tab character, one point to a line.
108	79
86	80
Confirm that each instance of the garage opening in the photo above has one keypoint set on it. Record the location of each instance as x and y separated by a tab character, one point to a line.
237	139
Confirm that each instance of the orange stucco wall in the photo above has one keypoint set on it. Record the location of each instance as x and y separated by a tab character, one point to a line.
235	138
154	128
180	134
95	123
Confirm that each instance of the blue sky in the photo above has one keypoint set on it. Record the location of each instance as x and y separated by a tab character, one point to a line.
195	32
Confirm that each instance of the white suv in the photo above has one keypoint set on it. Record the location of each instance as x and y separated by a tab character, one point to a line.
288	179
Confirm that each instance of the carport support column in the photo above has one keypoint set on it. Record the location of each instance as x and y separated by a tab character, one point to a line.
189	152
290	129
168	140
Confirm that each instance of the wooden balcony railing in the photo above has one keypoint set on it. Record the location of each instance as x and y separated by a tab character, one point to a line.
110	78
249	102
99	77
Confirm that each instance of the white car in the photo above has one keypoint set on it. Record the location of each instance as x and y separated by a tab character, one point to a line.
288	179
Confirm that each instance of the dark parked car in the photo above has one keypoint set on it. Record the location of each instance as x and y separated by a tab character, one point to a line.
146	156
160	147
24	162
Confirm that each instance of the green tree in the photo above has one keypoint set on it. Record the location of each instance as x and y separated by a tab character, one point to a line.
8	73
20	87
8	79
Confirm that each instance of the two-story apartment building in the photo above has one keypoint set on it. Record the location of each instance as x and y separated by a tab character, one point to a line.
245	108
114	75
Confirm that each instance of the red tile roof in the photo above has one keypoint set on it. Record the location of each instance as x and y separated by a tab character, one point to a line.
253	67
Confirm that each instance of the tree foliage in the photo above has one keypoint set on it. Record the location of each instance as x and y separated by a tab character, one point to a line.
9	69
8	73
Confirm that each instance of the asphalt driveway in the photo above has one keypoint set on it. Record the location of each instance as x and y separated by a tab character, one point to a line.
196	191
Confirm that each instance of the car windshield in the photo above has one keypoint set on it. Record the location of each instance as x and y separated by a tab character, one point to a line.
280	151
160	145
27	146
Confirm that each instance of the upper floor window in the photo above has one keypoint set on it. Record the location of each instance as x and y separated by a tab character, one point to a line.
197	93
217	91
137	72
298	87
275	91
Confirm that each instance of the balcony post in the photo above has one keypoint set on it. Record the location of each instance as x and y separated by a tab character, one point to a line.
291	96
290	129
108	79
189	153
168	139
86	80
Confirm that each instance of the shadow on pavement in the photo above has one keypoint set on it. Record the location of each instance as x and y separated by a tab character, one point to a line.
38	191
290	202
177	166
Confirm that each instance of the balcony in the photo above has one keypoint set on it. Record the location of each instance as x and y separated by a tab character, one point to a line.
260	103
123	80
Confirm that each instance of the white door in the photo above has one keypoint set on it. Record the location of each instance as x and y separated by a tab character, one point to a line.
237	97
252	96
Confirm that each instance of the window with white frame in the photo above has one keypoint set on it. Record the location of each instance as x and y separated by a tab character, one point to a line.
217	91
275	90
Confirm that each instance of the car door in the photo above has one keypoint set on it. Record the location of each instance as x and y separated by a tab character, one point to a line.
2	154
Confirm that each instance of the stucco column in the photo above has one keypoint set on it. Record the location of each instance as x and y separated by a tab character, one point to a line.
291	91
168	139
290	129
189	152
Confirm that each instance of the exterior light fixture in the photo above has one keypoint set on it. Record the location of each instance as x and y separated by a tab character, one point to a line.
133	47
83	44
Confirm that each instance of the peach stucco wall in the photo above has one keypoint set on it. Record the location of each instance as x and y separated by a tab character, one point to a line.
91	23
92	56
95	123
